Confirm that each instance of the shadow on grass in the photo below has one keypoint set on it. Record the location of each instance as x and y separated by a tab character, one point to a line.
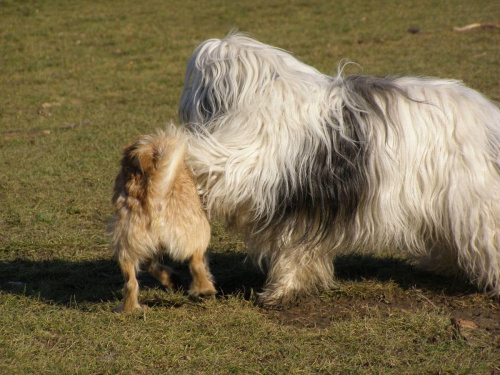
62	282
65	282
355	267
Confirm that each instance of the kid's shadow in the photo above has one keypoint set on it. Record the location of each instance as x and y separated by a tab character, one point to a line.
69	283
62	282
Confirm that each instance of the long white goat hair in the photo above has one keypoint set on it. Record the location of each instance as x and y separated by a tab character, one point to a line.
306	165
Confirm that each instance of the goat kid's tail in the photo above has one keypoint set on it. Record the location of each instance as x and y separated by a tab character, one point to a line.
169	152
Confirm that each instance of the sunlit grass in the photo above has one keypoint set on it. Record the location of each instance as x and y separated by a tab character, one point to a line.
79	80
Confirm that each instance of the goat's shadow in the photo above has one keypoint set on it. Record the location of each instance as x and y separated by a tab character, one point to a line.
61	282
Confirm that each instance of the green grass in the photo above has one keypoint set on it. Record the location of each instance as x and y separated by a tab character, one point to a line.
78	80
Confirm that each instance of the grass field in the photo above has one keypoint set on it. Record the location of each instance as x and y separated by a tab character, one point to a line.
80	79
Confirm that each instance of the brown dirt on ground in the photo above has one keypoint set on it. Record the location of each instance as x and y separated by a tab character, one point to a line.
468	310
316	312
370	286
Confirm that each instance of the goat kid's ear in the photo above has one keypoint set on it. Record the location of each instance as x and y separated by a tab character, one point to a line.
128	162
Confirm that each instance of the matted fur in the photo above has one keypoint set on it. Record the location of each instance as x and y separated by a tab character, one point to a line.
306	165
157	210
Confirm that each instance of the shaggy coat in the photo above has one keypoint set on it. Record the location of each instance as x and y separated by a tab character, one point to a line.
306	165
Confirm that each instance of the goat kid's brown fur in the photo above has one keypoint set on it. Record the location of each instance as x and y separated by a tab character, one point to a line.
157	210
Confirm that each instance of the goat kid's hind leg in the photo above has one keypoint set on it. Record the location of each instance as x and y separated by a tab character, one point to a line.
162	273
202	284
130	289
